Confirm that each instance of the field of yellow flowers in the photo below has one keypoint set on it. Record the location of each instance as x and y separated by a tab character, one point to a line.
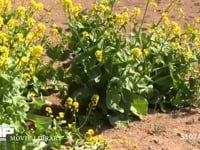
107	64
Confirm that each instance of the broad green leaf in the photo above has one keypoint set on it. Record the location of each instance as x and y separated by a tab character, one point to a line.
113	100
41	122
139	106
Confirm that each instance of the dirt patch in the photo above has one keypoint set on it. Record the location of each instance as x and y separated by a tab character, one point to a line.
159	131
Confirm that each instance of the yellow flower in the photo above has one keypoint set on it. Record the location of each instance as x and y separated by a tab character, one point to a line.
176	29
188	53
99	55
3	55
48	110
41	27
31	21
32	94
68	102
27	76
25	59
29	36
76	8
36	51
6	6
23	102
90	133
36	5
196	19
69	126
54	31
146	52
3	37
61	115
122	18
75	106
66	4
153	4
1	21
180	11
11	23
137	52
85	34
85	17
21	11
165	18
20	37
94	100
136	11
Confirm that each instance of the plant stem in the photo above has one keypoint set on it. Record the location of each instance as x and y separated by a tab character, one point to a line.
86	119
166	10
145	11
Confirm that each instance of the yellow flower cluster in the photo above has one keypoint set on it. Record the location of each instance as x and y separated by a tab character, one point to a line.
39	30
21	11
136	11
92	140
3	56
94	101
122	18
175	28
61	115
49	111
36	51
85	34
18	38
35	5
99	55
71	9
71	104
90	133
137	52
180	12
100	7
5	6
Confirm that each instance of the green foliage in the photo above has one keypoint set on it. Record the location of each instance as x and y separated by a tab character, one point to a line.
103	70
151	66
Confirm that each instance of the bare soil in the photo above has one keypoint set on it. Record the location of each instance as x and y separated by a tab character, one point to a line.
178	130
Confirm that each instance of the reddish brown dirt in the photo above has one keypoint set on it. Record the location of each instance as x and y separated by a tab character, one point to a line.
157	131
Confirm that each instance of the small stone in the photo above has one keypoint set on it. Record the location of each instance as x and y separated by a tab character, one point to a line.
179	134
155	140
150	147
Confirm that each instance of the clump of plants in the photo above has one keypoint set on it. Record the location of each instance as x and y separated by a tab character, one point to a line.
22	84
20	52
156	64
104	73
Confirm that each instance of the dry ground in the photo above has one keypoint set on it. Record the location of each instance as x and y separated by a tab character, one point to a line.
157	131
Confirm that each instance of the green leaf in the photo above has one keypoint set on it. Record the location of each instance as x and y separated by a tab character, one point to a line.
139	106
54	52
117	119
95	74
82	93
41	122
60	73
113	100
37	104
64	55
